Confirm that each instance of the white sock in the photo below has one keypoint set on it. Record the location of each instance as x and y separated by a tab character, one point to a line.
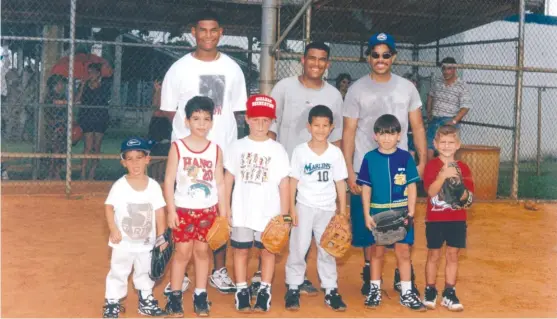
405	286
146	293
241	285
113	301
328	290
376	282
294	287
198	291
265	285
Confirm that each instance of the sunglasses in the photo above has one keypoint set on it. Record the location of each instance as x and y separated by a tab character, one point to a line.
386	55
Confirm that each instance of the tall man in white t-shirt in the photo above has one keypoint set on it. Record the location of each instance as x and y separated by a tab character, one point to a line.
213	74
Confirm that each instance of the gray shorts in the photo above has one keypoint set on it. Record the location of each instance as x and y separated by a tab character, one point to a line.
243	237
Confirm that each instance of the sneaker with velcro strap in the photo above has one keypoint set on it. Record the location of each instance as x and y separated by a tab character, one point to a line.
450	300
334	300
412	301
263	300
242	300
201	304
430	297
292	300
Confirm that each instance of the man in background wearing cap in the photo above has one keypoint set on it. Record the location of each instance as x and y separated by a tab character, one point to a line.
378	93
447	102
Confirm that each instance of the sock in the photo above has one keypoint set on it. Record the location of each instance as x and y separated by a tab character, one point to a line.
145	293
448	286
265	285
305	277
293	287
405	286
328	291
367	263
241	285
376	282
198	291
112	301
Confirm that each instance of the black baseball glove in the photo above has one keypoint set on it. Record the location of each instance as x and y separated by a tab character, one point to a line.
391	226
454	193
161	257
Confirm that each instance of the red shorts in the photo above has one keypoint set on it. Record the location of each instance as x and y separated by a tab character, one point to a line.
194	224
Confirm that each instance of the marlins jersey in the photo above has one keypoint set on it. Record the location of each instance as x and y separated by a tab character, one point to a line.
388	175
195	177
317	174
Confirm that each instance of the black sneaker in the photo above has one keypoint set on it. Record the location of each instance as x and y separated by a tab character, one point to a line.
366	277
174	307
201	305
292	300
255	283
398	287
373	298
450	300
263	301
412	301
430	299
307	288
149	306
111	310
334	301
242	300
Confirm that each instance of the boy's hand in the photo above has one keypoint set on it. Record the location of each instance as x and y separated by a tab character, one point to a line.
229	216
448	172
115	236
294	216
173	220
354	188
370	223
158	85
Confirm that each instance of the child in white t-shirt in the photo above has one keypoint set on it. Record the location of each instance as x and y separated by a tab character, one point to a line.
317	176
135	213
258	168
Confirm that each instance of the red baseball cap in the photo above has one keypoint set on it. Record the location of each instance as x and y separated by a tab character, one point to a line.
261	105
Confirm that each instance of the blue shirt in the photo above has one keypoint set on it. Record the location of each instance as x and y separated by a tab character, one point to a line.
389	176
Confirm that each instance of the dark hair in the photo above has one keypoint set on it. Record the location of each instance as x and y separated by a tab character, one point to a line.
53	80
387	124
318	46
95	66
320	111
448	60
199	104
341	77
207	15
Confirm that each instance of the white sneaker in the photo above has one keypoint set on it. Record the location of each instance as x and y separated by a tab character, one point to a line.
221	281
450	300
185	286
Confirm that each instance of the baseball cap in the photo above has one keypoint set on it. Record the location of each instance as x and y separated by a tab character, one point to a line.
261	105
135	144
448	60
381	38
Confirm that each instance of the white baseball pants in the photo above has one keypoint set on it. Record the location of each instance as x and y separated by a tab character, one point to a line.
121	264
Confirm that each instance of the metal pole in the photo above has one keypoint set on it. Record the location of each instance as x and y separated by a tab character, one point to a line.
518	98
268	33
70	100
289	27
117	78
539	145
308	24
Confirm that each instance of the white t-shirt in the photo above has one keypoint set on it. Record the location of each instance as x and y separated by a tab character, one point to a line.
317	174
134	214
221	80
258	168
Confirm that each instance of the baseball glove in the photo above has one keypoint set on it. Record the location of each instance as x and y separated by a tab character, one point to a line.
219	233
276	234
337	237
160	258
391	226
454	193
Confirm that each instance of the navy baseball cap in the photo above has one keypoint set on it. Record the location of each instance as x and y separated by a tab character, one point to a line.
136	144
381	38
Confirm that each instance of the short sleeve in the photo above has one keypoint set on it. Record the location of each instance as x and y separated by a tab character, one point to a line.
239	94
415	100
113	195
430	173
157	197
467	176
278	94
169	91
283	164
336	134
296	164
230	159
465	99
339	166
364	177
412	175
351	106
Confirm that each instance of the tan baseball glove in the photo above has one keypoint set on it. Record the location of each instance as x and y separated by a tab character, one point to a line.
276	234
219	233
337	237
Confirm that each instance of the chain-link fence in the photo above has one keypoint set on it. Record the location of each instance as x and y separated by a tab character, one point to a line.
131	44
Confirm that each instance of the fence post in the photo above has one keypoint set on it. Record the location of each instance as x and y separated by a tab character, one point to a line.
70	100
308	26
539	145
268	33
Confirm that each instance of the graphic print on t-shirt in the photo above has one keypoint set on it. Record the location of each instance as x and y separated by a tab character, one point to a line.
139	223
321	170
200	173
254	168
212	86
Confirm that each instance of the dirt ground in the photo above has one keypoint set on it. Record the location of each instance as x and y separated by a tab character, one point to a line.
55	259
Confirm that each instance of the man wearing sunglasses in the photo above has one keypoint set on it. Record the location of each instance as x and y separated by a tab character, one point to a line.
373	95
447	102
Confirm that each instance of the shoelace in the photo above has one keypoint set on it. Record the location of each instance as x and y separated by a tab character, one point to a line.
112	308
411	298
223	275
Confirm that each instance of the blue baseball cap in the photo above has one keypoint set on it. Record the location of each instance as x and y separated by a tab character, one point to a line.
381	38
136	144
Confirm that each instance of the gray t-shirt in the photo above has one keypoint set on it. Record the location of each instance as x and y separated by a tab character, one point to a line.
294	101
366	100
449	99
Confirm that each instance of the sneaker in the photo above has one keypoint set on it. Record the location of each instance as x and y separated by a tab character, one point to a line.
112	309
412	301
201	305
263	301
242	300
185	285
292	300
255	283
307	288
430	299
366	277
221	281
373	298
450	300
149	306
397	286
174	306
334	301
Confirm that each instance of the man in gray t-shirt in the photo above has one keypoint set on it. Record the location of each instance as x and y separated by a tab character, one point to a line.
296	95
